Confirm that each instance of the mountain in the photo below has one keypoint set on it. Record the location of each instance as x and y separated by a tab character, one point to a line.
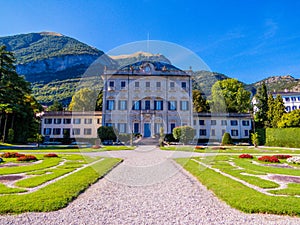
279	83
47	56
124	60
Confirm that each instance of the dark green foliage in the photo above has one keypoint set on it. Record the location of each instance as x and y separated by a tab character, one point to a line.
11	135
226	139
107	133
261	115
283	137
200	103
56	106
291	119
184	134
170	138
261	136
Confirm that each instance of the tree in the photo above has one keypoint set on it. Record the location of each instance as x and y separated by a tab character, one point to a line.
226	139
230	96
184	134
107	133
291	119
199	102
279	110
261	106
161	136
255	139
56	106
270	113
85	100
17	106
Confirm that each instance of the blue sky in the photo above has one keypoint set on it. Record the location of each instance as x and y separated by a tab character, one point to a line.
247	40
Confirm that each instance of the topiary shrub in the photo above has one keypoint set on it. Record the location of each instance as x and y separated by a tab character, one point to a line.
27	158
226	139
51	155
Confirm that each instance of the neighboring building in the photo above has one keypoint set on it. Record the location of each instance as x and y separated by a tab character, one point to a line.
145	96
213	126
291	100
57	125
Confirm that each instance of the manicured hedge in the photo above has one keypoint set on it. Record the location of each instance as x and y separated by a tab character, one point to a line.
283	137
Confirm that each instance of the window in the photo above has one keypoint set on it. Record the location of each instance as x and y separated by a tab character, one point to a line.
158	85
195	122
245	122
108	124
67	121
201	122
157	127
213	122
293	99
288	108
136	128
57	121
158	105
172	85
294	107
147	84
110	104
234	133
48	121
183	85
56	131
88	121
173	125
122	127
66	132
184	105
76	131
287	99
123	84
111	84
246	133
98	121
224	122
202	132
147	104
172	105
213	132
136	105
233	122
298	98
137	84
87	131
122	105
47	131
77	121
223	131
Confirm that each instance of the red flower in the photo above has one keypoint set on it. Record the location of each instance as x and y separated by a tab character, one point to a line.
246	156
267	158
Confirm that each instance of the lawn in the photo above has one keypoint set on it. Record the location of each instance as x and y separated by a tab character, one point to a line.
69	174
233	180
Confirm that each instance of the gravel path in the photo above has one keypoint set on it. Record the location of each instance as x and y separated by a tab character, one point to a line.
148	188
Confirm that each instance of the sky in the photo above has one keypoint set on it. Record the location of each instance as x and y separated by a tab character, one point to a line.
244	39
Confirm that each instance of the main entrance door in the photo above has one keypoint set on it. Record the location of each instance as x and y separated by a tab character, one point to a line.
147	129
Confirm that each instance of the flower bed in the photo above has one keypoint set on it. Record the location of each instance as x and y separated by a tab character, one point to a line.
199	147
96	146
295	160
271	159
246	156
11	155
27	158
282	156
51	155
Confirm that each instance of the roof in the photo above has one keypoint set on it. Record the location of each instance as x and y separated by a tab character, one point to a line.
286	93
149	68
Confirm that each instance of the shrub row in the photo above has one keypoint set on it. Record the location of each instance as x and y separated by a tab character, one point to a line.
267	158
27	158
11	155
283	137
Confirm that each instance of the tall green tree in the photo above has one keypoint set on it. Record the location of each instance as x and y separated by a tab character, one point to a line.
261	106
86	100
17	106
229	95
56	106
270	113
279	110
199	102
